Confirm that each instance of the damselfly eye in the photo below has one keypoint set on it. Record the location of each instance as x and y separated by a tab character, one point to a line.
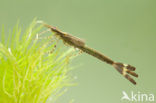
54	29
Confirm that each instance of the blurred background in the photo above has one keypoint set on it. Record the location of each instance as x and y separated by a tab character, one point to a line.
124	30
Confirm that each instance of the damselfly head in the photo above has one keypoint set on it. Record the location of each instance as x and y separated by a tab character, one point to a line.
46	25
125	69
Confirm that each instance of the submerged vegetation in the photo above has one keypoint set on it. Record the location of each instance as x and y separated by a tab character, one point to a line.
28	72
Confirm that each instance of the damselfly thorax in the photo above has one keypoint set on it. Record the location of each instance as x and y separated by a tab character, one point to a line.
67	38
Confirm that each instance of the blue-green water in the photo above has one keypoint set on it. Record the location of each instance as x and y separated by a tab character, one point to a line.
124	30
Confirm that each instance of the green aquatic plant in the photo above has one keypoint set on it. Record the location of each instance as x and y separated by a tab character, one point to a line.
28	72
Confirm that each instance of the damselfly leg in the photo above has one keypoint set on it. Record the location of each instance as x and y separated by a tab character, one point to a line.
52	40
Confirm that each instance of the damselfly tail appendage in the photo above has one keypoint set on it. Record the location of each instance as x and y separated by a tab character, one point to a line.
125	69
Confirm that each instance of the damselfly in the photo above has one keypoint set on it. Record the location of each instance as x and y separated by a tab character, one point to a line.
123	69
